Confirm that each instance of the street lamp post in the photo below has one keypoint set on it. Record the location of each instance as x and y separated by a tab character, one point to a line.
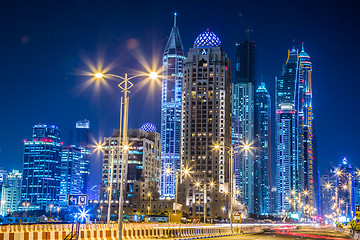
245	147
125	86
110	183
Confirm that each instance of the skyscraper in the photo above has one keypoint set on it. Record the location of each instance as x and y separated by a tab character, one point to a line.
71	182
41	168
173	61
206	122
243	120
288	132
306	119
82	141
263	158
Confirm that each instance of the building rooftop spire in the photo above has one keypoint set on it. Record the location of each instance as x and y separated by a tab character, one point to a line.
302	47
175	14
174	41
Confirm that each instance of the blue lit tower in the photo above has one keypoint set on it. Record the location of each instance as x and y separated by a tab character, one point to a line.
288	138
263	161
206	121
173	61
41	167
243	120
71	175
307	128
82	141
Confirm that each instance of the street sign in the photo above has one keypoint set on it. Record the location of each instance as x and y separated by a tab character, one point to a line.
357	211
77	199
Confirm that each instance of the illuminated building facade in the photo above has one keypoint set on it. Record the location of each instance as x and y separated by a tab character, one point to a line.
41	167
173	62
288	146
81	140
243	120
71	181
263	158
10	193
306	120
143	175
206	122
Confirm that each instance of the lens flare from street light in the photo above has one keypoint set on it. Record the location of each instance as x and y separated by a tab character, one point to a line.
153	75
168	171
99	75
126	147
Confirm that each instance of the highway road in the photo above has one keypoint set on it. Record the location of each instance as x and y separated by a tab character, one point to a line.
305	234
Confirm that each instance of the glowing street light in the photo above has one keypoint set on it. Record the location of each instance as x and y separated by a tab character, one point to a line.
125	85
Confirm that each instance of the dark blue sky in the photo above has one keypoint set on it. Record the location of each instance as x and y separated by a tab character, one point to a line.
44	43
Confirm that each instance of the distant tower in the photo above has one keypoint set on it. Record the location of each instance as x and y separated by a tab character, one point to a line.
206	121
71	177
173	62
243	119
41	168
82	141
263	158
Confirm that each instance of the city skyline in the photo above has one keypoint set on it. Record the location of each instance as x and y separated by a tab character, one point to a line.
15	147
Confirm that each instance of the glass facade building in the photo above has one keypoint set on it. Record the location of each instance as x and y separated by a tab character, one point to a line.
173	62
263	158
41	167
71	182
243	120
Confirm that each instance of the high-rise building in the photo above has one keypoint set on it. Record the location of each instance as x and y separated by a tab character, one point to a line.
10	193
263	158
294	132
243	120
306	120
173	62
288	142
206	122
82	141
71	182
41	167
143	175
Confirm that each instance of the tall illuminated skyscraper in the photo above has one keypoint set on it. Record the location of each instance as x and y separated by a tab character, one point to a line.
263	158
41	168
206	122
82	141
173	62
243	120
309	172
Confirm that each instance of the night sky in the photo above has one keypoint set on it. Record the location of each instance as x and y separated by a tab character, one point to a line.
45	45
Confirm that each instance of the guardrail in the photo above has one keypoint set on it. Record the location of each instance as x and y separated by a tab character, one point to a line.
130	231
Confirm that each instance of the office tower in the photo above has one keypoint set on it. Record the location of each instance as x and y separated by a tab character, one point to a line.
143	175
82	141
41	168
10	193
206	122
243	120
288	141
71	182
306	120
327	192
173	61
263	159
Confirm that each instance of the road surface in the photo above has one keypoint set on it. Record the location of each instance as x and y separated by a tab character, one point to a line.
305	234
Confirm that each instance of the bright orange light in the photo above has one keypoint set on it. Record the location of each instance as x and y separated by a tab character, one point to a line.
167	171
126	147
197	184
99	147
186	171
246	147
217	146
